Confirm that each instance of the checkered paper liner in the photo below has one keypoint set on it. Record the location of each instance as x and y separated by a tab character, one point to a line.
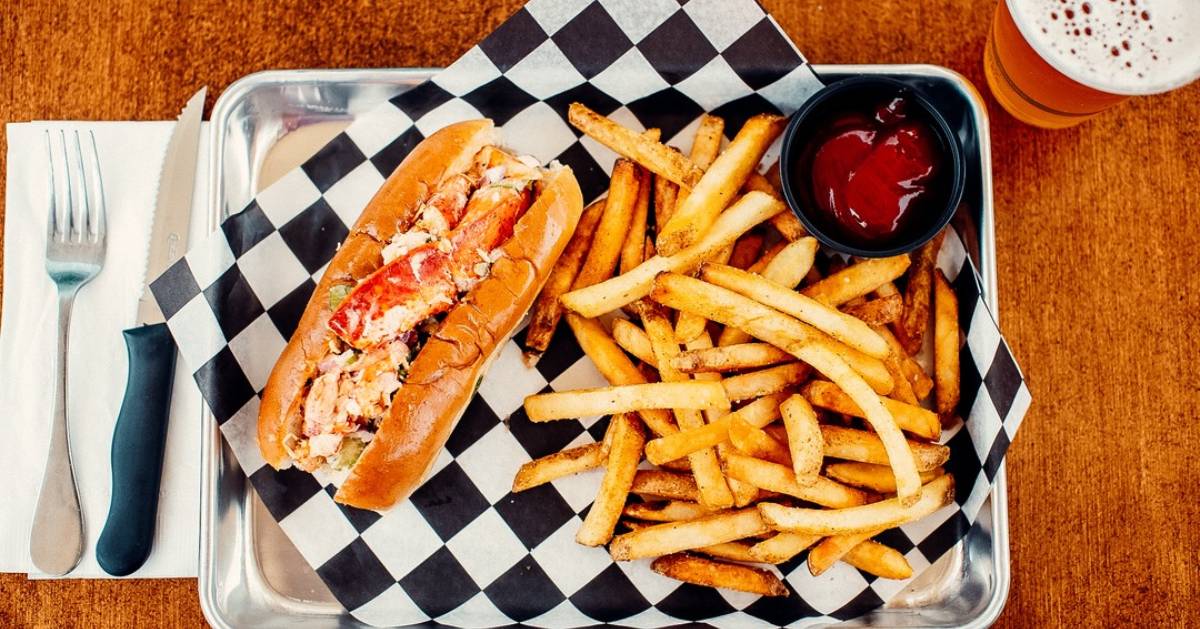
465	550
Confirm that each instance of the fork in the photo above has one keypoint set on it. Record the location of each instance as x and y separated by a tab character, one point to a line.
75	246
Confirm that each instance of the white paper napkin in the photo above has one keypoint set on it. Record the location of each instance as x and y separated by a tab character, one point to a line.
131	156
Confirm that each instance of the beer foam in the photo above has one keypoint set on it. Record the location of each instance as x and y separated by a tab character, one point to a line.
1119	46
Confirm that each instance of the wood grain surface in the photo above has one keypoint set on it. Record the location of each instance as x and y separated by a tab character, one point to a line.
1097	230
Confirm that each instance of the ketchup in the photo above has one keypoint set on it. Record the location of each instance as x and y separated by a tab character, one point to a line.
870	173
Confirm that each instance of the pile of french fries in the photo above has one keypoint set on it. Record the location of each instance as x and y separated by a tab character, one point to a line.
781	405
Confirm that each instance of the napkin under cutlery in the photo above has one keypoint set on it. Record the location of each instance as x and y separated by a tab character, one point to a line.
130	156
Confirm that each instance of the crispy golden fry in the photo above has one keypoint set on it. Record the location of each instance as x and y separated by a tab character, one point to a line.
546	312
832	548
719	185
665	485
920	382
781	479
730	358
902	390
746	251
571	461
669	511
633	339
672	447
609	238
859	445
887	289
672	537
787	267
594	301
768	255
755	442
789	334
945	346
627	442
782	546
616	367
879	560
857	280
733	551
689	327
777	432
665	194
879	311
876	478
705	147
914	419
706	468
719	574
917	293
654	156
884	514
635	238
785	223
804	439
624	399
729	308
677	465
756	384
840	326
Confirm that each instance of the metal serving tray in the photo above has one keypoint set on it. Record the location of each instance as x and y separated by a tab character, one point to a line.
251	575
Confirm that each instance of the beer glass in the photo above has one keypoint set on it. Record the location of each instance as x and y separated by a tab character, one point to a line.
1056	63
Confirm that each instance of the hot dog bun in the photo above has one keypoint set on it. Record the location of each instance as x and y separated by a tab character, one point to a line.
443	375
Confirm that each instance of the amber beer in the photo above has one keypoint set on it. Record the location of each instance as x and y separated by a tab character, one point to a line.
1056	63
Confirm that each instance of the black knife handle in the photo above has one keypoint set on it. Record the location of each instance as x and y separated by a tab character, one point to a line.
139	439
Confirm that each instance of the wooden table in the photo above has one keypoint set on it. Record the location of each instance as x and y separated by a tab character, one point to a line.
1095	229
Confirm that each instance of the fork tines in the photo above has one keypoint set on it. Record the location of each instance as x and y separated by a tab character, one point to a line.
70	221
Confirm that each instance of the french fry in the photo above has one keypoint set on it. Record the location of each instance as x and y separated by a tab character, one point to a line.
865	447
767	256
887	289
746	251
729	308
665	194
635	239
756	384
706	468
920	381
732	551
654	156
884	514
782	546
673	537
633	339
669	511
945	346
543	407
832	548
872	477
718	574
705	146
879	560
730	358
596	300
840	326
627	442
546	312
716	189
615	366
786	268
857	280
785	223
570	461
917	295
777	432
785	332
755	442
902	390
672	447
879	311
665	485
804	439
781	479
610	234
914	419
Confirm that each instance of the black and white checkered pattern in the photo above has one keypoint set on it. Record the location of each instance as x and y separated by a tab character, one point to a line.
465	551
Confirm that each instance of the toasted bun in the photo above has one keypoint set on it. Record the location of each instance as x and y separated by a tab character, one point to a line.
442	379
392	210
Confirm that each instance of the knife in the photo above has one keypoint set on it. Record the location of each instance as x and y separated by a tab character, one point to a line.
140	435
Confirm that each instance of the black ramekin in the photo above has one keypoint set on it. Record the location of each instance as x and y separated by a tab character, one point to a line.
808	126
